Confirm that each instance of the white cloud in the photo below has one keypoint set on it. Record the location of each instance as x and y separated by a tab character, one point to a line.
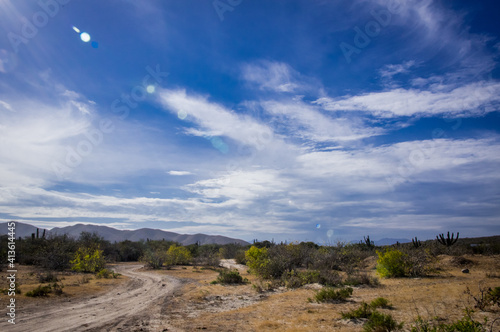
215	118
179	173
390	70
274	76
307	121
473	99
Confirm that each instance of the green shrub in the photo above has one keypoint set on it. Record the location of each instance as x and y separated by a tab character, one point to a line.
493	296
466	324
330	294
364	311
40	291
258	261
378	322
229	277
88	260
381	302
240	258
57	288
154	258
178	255
392	263
107	274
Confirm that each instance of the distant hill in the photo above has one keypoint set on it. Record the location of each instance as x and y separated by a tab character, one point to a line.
22	230
389	241
112	234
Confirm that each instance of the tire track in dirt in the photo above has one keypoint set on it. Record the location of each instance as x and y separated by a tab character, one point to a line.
134	304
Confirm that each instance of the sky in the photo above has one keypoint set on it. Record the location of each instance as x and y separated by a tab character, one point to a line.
297	120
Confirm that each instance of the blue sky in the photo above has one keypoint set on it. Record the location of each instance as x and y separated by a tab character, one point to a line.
286	120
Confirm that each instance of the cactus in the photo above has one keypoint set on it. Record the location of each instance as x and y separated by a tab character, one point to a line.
43	234
367	241
447	241
37	233
416	242
32	236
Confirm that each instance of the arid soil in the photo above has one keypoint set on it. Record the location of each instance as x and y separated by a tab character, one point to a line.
183	299
133	304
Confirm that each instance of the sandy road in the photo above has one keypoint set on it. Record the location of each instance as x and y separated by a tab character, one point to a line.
135	306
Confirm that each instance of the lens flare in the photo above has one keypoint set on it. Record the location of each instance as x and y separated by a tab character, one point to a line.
85	37
150	88
182	114
76	29
318	225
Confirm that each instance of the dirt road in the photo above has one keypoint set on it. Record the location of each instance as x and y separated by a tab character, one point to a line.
134	306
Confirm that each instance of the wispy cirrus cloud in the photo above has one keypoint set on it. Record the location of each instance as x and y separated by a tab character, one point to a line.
179	173
473	99
388	71
273	76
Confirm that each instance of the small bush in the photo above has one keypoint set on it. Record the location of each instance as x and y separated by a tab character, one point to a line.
229	277
240	257
49	277
329	294
88	260
485	298
392	263
466	324
378	322
107	274
364	311
177	255
57	288
40	291
381	302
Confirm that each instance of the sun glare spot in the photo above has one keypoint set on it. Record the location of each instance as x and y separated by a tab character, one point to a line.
85	37
182	114
150	88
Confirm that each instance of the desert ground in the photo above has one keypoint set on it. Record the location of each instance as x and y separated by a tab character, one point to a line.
183	299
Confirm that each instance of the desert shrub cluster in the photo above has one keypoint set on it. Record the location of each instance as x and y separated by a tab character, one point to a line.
331	294
229	277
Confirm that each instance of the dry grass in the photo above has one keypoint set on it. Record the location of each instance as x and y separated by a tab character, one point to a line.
241	308
76	285
201	305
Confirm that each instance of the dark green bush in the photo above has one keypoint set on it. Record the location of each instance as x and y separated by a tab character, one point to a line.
229	277
48	277
40	291
381	302
466	324
330	294
364	311
378	322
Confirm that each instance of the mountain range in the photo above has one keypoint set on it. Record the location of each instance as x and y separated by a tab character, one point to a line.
112	234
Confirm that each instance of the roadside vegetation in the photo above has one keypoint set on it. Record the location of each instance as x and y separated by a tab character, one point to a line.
337	272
